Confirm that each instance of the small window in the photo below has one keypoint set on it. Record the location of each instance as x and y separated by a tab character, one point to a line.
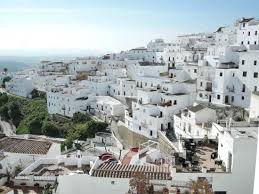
248	42
242	42
195	70
255	74
243	97
218	96
255	62
139	128
151	133
220	74
255	32
243	88
249	33
244	73
175	102
201	84
243	62
255	88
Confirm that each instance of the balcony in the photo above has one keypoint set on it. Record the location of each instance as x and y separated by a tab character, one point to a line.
208	88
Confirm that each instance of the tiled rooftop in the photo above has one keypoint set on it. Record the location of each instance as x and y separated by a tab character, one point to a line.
127	171
24	146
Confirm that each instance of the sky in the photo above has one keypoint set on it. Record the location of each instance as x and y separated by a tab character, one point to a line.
30	27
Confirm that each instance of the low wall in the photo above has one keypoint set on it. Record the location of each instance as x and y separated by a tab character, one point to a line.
129	137
166	145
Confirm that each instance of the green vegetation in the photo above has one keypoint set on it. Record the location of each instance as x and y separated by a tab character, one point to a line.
30	116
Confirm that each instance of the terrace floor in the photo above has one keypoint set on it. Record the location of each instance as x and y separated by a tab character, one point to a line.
204	155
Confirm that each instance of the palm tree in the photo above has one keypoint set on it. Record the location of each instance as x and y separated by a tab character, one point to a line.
5	70
201	186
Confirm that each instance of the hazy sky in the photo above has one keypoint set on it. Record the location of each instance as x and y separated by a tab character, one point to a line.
109	25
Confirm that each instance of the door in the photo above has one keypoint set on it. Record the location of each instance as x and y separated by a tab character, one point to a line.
226	99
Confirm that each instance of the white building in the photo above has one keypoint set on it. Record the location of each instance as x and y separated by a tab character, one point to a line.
20	86
254	104
98	84
123	87
195	123
238	164
226	36
141	69
247	34
248	74
108	106
50	68
17	151
81	65
67	101
155	108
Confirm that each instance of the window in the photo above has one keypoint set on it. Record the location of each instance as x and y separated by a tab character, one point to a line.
242	42
255	74
248	42
244	24
255	62
243	62
249	33
243	88
201	84
243	97
220	74
195	70
139	128
244	73
151	132
218	96
175	102
255	88
233	75
255	32
255	42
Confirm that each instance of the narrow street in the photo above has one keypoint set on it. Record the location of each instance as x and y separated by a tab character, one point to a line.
6	128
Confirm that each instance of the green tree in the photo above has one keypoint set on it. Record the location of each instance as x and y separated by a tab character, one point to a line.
4	113
15	113
50	129
80	117
3	99
95	126
17	170
6	79
34	126
34	93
